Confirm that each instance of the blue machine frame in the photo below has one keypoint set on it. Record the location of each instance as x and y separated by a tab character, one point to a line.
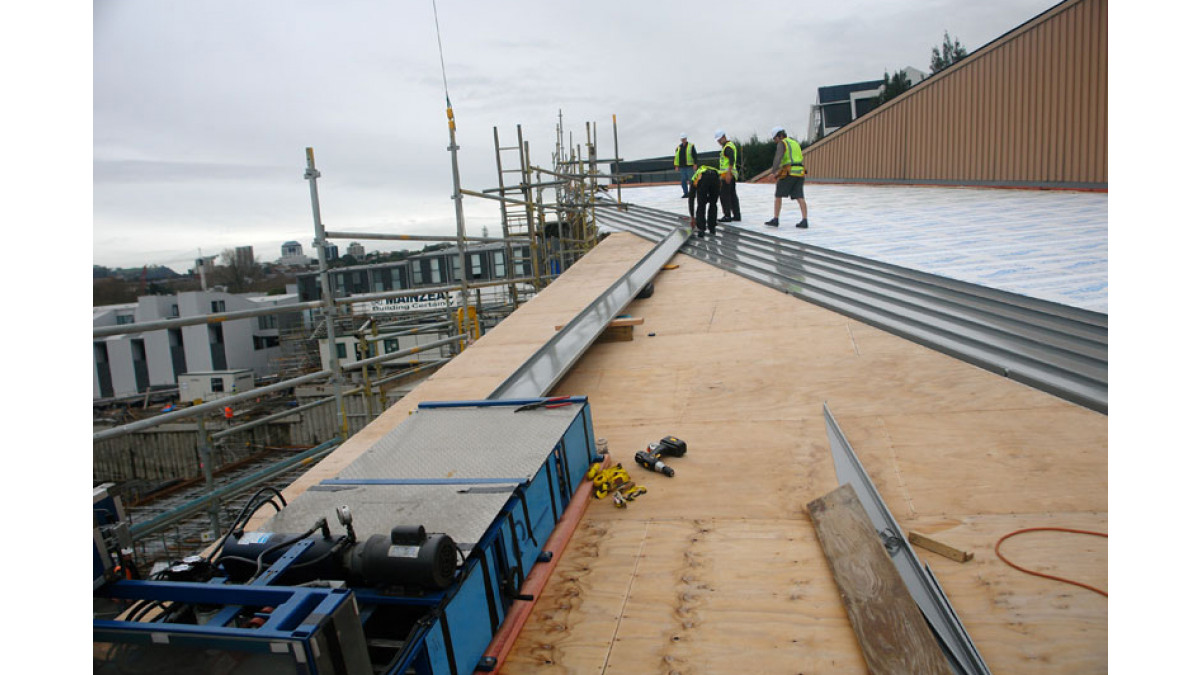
430	632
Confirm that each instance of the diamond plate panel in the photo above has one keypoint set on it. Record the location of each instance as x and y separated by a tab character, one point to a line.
463	512
485	442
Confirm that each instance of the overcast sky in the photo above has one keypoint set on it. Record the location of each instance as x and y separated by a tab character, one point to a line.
202	110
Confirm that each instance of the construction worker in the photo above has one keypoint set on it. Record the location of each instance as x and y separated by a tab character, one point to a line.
228	415
731	208
685	161
788	169
706	186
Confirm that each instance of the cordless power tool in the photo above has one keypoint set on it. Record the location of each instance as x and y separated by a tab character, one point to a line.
651	457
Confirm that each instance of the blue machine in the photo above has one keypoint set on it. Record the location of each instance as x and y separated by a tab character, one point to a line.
445	517
112	543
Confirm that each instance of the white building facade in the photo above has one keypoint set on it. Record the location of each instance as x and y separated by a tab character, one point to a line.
132	363
292	255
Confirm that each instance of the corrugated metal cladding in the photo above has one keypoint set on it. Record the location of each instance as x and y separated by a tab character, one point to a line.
1028	109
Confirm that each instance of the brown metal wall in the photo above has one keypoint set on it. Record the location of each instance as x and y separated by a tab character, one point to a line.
1031	108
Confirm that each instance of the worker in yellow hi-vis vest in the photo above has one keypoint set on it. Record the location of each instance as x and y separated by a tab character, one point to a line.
788	170
685	161
731	208
706	187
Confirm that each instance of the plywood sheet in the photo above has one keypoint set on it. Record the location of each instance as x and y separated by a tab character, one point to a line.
740	372
701	596
718	570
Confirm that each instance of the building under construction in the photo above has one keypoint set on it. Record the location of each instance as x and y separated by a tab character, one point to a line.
738	454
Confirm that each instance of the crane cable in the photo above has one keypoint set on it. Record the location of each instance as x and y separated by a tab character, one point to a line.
445	85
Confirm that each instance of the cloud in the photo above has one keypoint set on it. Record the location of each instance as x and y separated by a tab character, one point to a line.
202	111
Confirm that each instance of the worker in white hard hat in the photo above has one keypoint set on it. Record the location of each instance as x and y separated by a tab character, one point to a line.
731	208
685	162
788	170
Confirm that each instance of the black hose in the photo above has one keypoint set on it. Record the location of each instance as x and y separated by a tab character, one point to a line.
284	544
247	513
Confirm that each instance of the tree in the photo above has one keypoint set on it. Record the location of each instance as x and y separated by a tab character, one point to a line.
112	291
758	155
894	85
952	53
236	273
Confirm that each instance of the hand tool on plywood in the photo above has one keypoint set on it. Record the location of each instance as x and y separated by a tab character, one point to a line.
616	482
651	457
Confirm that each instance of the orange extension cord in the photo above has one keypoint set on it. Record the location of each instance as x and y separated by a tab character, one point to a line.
1049	576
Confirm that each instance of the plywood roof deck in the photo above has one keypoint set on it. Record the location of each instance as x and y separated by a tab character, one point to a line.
718	570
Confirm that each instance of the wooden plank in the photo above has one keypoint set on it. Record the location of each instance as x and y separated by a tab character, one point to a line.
930	544
618	330
617	323
616	334
890	627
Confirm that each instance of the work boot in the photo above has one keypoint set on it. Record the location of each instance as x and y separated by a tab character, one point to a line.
803	224
737	219
724	219
700	233
774	222
684	196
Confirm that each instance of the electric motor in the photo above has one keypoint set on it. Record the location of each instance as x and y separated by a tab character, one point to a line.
409	557
240	557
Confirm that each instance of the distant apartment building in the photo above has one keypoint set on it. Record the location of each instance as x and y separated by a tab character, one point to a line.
840	104
205	269
356	251
133	363
292	255
486	262
243	257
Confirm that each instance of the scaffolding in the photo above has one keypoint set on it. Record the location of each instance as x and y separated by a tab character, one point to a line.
555	243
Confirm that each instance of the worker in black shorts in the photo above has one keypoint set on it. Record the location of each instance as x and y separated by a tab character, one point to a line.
706	185
788	169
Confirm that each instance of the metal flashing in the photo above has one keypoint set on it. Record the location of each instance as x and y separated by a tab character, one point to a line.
924	587
1059	349
538	375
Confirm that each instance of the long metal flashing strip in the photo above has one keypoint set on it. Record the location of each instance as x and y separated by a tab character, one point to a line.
538	375
922	585
1059	349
